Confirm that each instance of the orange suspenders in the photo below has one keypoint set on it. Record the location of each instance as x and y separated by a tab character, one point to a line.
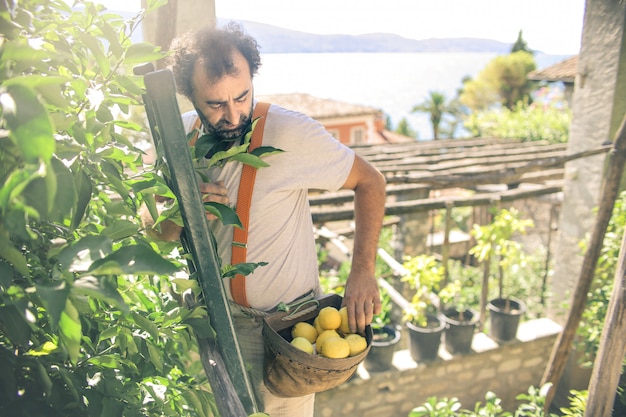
244	199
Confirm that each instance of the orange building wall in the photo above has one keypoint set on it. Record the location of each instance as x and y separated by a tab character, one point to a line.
345	130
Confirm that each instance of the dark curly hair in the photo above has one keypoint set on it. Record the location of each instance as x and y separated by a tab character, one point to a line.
213	48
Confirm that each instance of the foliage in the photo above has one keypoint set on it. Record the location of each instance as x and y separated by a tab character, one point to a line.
547	119
494	242
577	404
520	44
90	324
404	128
335	281
590	328
384	318
425	275
437	106
503	81
532	406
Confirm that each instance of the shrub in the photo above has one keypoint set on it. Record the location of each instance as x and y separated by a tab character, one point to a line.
547	120
88	322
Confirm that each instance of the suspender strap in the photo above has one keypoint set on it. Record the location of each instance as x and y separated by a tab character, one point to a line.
244	199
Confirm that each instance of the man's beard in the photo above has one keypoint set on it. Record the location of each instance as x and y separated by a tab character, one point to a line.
220	132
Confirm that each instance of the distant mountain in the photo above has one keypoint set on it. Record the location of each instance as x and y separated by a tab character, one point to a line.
273	39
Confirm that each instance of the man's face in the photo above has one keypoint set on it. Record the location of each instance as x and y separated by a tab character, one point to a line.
224	106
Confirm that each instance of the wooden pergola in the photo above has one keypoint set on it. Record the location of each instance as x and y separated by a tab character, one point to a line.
498	171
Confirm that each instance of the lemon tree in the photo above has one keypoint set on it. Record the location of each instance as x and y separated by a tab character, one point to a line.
89	325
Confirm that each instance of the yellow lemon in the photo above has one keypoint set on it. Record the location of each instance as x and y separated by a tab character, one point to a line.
316	324
319	343
357	343
336	347
302	344
329	318
344	327
304	329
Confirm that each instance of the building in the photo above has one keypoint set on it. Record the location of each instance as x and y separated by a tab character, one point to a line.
351	124
563	71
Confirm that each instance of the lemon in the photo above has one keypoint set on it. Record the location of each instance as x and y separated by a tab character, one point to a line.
344	327
357	343
302	344
304	329
323	337
316	324
336	347
329	318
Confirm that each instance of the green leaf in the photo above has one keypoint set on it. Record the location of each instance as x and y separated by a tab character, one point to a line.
226	214
54	298
202	327
113	175
146	325
82	184
204	144
112	37
101	289
142	52
6	274
266	151
14	325
244	268
64	199
183	285
109	333
28	120
12	255
155	356
134	259
250	159
97	49
120	229
106	361
70	331
129	85
223	155
78	255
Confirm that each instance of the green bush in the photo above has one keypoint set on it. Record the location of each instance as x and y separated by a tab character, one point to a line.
88	322
546	120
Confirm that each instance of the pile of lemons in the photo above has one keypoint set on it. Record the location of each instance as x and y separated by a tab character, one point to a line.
329	335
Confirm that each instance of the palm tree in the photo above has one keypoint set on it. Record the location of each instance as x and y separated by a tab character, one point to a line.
437	105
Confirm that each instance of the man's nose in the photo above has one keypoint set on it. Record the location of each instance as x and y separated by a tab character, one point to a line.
231	113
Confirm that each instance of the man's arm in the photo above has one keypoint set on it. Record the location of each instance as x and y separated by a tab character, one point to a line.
168	230
362	296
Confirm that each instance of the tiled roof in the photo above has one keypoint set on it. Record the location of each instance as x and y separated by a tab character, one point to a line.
561	71
318	108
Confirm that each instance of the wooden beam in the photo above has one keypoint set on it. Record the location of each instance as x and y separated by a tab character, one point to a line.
608	364
346	211
608	195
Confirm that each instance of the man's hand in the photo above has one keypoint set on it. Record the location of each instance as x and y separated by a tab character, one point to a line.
362	298
213	192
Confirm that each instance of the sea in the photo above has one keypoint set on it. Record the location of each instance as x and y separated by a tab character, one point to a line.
391	82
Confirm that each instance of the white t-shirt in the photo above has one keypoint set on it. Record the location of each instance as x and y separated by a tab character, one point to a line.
281	230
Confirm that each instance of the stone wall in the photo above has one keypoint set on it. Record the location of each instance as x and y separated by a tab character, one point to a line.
507	370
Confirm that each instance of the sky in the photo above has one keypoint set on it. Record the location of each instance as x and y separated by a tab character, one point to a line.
550	26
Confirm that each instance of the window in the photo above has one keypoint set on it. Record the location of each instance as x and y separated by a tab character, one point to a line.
358	136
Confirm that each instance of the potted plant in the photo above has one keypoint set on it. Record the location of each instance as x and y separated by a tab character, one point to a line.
460	318
421	315
385	337
495	245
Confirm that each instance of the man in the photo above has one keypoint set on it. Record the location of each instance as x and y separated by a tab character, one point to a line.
214	69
